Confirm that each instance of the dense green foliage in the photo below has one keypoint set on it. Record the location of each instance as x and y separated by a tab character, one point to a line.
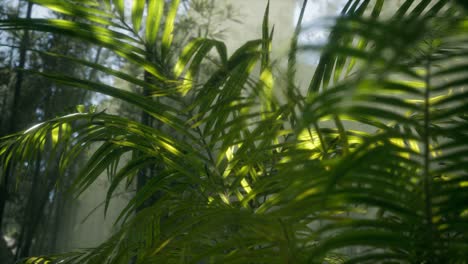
367	166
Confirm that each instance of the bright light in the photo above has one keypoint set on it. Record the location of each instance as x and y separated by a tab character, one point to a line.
317	18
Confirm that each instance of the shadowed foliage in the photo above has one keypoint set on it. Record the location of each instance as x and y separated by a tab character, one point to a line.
367	166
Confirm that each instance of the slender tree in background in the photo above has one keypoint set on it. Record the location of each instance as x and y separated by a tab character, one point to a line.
367	166
10	122
30	205
24	43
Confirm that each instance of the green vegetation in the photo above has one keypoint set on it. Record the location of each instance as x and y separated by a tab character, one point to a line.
367	166
30	209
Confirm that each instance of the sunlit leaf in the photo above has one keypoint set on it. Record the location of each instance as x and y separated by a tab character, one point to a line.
153	20
137	13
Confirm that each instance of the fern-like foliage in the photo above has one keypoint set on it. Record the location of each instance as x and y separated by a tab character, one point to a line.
367	166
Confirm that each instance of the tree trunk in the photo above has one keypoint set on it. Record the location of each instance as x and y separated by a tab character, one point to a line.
14	111
6	257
